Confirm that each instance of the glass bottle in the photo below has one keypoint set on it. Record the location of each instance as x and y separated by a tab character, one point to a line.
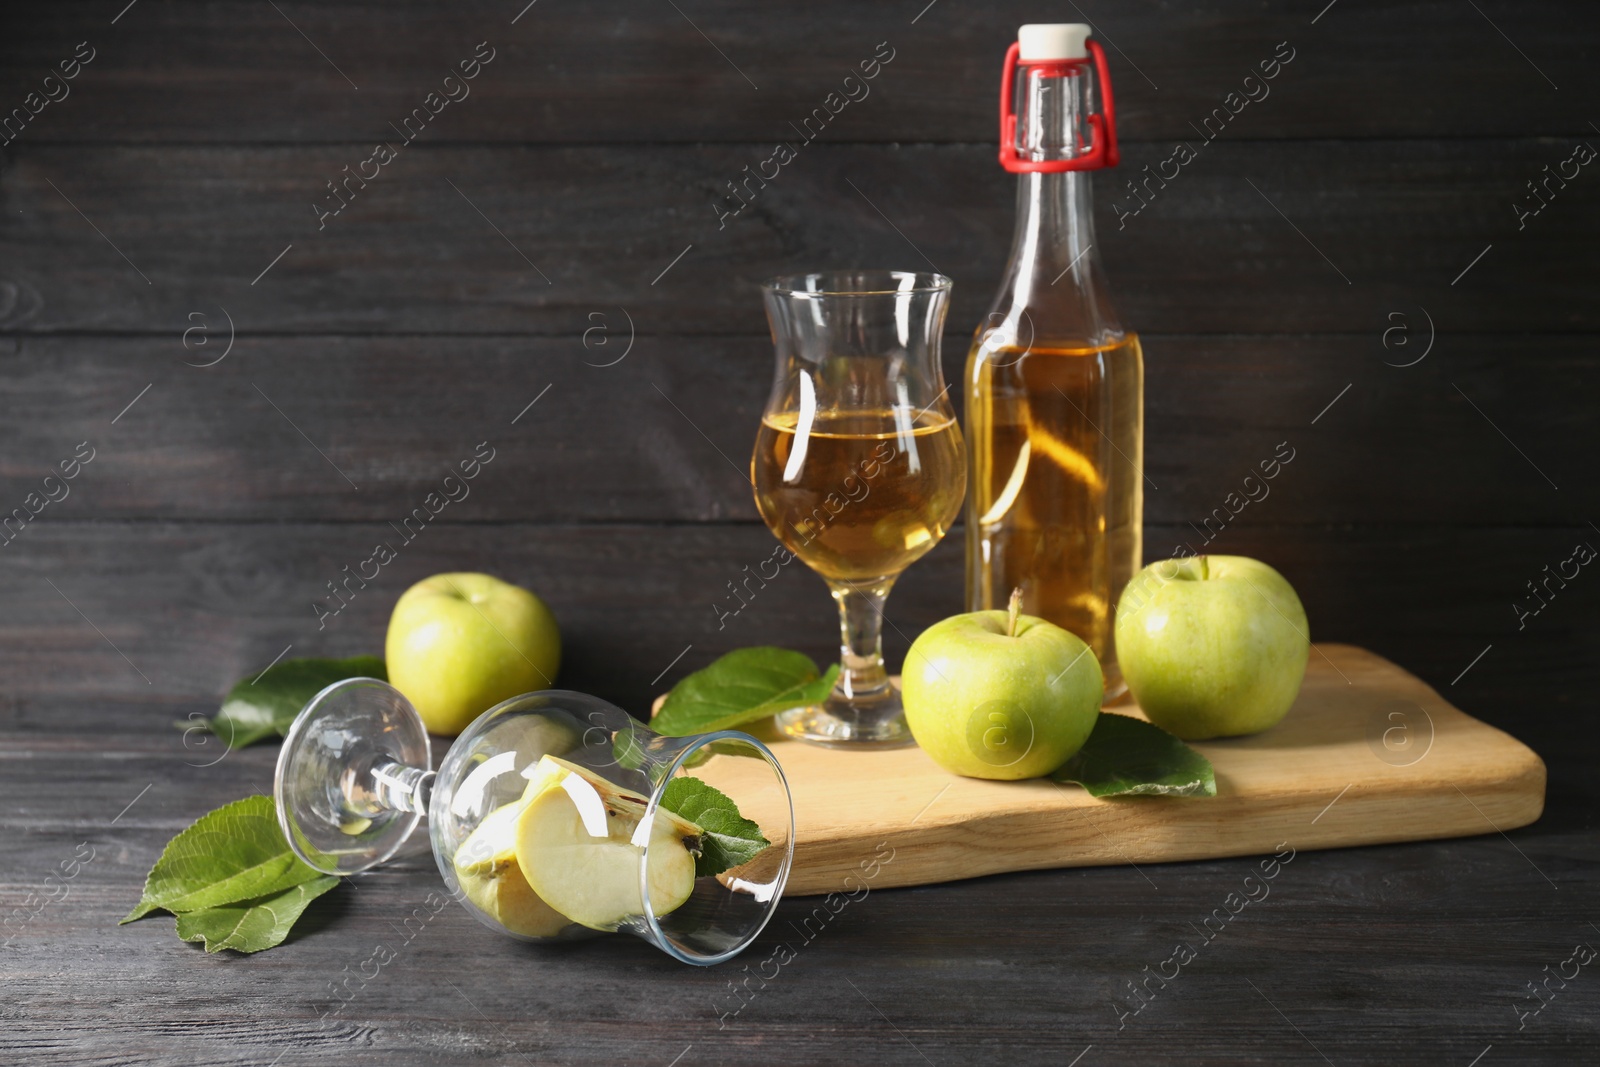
1054	383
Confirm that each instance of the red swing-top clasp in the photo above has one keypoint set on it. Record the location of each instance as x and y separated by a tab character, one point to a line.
1102	148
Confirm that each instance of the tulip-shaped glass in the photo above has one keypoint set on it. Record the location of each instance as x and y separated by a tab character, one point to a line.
859	467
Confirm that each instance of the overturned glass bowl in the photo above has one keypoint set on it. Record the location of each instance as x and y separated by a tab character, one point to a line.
554	816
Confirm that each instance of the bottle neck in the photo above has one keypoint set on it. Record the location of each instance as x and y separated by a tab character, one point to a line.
1054	290
1055	230
1054	287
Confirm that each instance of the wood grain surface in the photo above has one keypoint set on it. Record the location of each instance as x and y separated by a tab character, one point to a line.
595	228
164	209
1401	763
220	443
568	72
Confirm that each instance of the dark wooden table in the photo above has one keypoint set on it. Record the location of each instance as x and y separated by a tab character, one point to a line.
1353	266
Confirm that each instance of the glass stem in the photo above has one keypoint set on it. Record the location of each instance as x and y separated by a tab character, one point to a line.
861	673
386	785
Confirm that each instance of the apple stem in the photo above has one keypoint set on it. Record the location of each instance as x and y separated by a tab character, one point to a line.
1014	609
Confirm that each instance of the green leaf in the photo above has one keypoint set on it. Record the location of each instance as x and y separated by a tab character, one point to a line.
729	839
264	704
746	685
236	853
1130	757
252	925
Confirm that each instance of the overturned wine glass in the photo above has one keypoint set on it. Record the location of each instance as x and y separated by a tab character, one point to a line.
554	816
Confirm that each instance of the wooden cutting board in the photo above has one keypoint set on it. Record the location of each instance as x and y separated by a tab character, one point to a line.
1368	754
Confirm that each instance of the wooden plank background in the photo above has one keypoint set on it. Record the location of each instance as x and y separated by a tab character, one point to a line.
160	213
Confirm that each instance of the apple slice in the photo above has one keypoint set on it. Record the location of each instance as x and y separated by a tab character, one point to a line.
486	864
578	845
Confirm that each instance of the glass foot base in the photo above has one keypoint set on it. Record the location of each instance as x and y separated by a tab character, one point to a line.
879	723
356	746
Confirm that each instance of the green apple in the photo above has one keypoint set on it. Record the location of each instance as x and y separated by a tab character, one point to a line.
998	694
578	845
459	644
486	866
1212	646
